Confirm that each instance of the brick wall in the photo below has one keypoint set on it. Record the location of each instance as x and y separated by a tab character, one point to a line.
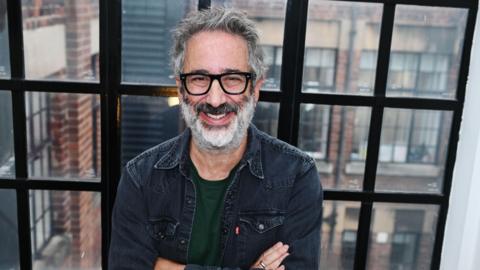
77	214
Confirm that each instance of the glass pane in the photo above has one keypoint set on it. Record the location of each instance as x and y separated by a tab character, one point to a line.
413	150
341	47
427	65
146	122
63	135
336	137
7	155
9	257
266	117
146	39
402	236
269	18
339	234
66	233
61	39
4	45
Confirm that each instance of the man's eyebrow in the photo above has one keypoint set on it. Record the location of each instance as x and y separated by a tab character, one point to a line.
226	70
229	70
203	71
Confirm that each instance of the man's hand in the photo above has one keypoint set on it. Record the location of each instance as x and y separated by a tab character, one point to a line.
164	264
272	257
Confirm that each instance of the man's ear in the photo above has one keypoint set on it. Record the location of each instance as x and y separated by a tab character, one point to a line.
258	86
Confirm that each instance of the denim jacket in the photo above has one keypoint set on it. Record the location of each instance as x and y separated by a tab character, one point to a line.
275	195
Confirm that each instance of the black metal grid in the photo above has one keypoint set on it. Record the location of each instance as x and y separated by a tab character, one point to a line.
110	88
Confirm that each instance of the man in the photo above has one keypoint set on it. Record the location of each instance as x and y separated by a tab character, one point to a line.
222	195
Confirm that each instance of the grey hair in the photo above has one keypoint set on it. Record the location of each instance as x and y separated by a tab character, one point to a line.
217	19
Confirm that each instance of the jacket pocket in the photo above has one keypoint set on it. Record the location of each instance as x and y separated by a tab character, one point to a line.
257	231
162	228
261	223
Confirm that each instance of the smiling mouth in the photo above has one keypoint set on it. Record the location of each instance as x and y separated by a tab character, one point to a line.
216	116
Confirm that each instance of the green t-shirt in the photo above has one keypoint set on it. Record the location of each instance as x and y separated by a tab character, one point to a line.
204	247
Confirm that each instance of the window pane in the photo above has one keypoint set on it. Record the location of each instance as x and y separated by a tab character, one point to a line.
63	135
427	65
4	46
7	155
413	150
146	122
9	257
341	47
269	18
146	38
402	236
67	233
339	234
336	137
266	117
61	39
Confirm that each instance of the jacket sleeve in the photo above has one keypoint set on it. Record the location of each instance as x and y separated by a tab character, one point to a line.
301	230
199	267
130	246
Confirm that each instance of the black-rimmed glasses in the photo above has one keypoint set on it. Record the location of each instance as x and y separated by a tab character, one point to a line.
232	83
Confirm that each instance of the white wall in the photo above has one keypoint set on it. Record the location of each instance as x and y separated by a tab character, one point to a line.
461	247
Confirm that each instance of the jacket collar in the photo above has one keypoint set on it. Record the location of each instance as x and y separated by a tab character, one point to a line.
178	153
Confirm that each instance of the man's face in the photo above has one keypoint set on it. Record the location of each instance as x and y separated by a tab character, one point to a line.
218	121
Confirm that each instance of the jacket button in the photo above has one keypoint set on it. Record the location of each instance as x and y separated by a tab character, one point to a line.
261	227
183	241
225	231
189	201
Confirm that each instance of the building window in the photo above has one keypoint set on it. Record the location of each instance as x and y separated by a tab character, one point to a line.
319	70
410	136
37	108
273	61
406	239
349	239
410	73
418	72
314	129
40	220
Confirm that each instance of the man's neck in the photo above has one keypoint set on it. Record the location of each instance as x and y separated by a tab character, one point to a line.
216	165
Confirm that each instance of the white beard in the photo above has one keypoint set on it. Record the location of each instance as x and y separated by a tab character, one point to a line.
224	138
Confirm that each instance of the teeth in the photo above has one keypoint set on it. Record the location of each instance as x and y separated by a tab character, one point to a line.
216	116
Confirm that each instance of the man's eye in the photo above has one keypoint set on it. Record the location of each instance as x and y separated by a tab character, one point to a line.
233	79
198	78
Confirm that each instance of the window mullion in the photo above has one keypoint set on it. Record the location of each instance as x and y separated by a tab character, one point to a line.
292	69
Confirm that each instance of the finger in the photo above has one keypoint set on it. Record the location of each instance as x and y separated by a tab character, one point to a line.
273	248
278	261
281	268
275	255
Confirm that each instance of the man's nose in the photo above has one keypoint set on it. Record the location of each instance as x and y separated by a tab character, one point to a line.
216	96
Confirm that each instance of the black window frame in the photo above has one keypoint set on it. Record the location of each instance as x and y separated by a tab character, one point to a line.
110	88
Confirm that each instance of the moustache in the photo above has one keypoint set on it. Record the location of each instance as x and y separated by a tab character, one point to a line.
221	109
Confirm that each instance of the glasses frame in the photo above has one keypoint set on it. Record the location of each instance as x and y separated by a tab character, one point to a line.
248	75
